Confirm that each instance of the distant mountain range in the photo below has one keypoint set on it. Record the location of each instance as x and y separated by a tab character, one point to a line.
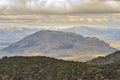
108	33
111	58
63	45
12	35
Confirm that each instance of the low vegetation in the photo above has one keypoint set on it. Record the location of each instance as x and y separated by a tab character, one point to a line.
45	68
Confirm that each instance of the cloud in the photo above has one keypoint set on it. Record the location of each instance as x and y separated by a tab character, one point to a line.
59	6
60	21
48	14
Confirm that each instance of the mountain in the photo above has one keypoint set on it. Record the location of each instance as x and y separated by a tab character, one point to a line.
13	34
45	68
63	45
111	35
114	57
10	36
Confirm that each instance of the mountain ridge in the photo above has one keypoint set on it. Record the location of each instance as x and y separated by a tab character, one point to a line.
111	58
59	44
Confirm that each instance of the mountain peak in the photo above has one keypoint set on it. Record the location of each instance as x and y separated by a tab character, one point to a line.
59	44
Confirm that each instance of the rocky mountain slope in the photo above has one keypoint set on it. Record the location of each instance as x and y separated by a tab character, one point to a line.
111	35
10	36
65	45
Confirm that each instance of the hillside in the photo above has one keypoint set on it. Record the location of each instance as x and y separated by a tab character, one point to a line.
111	35
63	45
114	57
45	68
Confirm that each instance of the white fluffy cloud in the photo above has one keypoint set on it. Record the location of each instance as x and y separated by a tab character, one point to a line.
48	4
60	6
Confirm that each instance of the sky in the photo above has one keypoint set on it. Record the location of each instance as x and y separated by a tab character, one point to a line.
56	14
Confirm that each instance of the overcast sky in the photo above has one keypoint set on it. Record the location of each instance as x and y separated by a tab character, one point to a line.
59	13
